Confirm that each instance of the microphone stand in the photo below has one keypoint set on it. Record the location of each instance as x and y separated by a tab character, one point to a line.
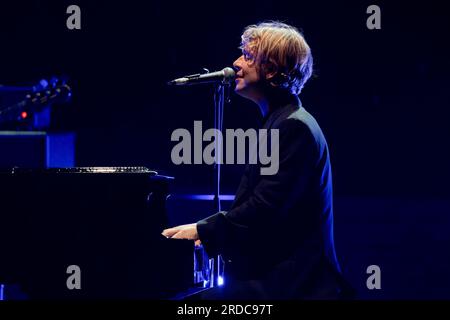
210	270
219	93
216	263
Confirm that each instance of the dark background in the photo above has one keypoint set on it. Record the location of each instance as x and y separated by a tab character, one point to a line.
380	96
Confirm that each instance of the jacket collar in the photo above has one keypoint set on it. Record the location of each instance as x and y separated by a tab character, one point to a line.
287	108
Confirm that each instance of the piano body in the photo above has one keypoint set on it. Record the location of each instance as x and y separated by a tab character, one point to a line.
106	221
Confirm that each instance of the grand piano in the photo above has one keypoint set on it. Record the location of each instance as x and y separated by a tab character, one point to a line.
106	221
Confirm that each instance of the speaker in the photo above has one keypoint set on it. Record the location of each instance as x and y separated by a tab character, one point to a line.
36	149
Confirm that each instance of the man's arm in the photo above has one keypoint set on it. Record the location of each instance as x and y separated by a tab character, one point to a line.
298	156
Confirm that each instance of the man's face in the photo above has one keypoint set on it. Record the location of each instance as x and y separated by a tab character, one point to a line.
248	79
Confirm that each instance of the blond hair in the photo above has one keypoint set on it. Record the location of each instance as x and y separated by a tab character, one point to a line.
282	47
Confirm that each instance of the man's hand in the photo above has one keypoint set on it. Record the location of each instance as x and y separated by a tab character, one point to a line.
186	231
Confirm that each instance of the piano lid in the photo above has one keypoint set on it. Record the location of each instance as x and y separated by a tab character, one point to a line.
80	170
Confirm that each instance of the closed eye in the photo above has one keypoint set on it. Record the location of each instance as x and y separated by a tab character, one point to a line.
247	55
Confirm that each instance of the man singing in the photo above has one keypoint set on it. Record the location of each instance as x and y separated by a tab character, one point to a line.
277	238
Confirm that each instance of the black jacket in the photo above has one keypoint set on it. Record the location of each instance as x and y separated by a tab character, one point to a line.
277	238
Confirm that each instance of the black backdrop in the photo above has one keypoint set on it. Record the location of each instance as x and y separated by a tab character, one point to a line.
380	96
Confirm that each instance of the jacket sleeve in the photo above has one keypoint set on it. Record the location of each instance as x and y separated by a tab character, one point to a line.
298	155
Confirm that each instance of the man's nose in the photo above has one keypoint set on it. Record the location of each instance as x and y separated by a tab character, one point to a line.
237	63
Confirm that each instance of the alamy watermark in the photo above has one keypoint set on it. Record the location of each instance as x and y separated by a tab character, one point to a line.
235	140
74	20
74	279
374	20
374	280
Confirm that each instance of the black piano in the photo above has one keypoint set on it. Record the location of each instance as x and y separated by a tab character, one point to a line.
106	221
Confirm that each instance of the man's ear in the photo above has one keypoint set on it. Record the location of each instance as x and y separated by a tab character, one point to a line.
270	71
274	77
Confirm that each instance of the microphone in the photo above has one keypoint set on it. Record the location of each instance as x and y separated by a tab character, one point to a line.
225	76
